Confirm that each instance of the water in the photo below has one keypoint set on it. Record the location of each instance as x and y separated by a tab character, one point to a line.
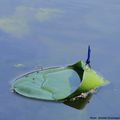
56	33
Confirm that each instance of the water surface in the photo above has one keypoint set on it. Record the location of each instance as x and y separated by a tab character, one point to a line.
56	33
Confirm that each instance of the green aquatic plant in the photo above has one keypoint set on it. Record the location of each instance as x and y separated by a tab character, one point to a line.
59	83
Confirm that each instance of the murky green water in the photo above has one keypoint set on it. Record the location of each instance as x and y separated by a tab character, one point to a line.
56	33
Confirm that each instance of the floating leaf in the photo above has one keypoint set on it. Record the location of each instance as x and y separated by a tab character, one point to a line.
58	83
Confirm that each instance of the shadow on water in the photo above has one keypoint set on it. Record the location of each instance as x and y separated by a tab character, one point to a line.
79	103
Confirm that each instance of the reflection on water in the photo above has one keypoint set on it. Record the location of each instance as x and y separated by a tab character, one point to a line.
79	103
